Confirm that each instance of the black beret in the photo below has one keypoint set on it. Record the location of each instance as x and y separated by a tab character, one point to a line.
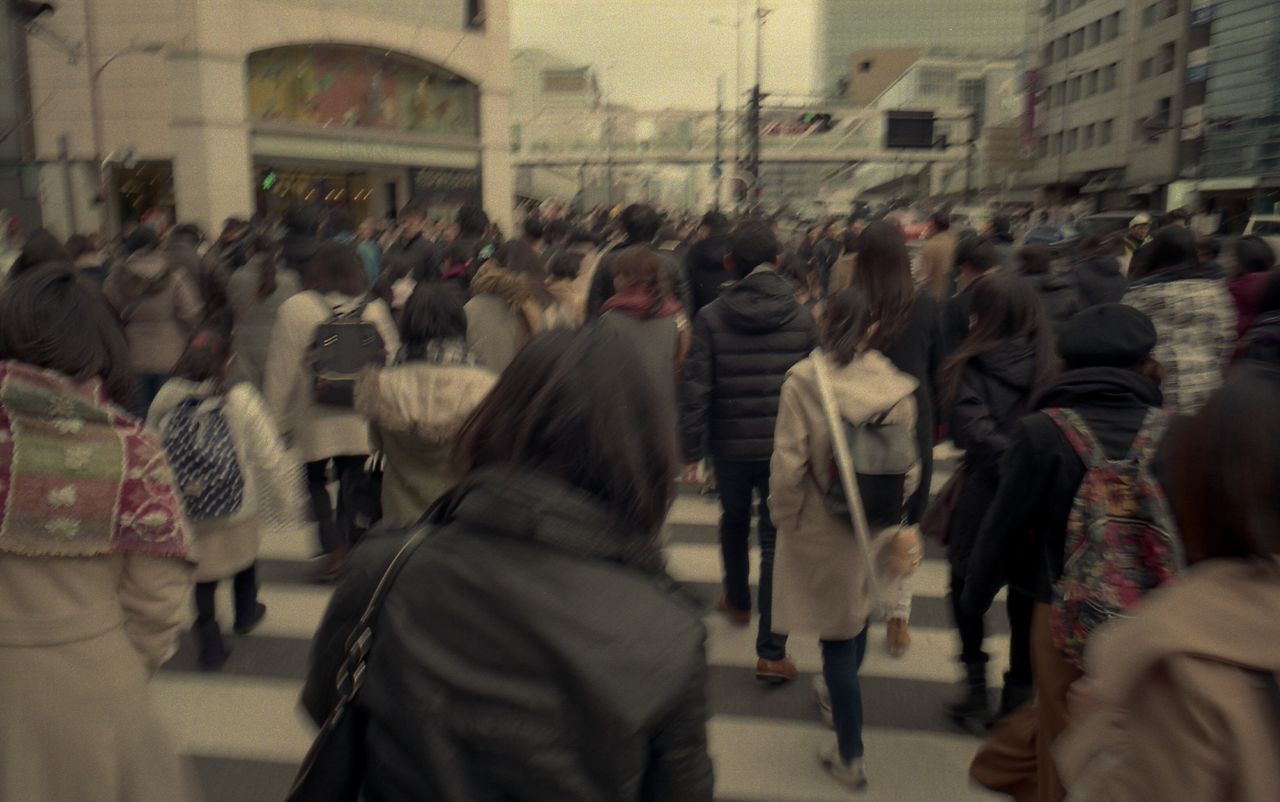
1109	335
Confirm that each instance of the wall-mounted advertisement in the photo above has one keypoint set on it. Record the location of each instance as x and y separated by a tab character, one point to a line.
350	87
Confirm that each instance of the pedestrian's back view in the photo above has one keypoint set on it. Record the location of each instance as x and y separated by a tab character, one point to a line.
744	343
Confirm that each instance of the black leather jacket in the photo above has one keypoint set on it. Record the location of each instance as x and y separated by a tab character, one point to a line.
529	650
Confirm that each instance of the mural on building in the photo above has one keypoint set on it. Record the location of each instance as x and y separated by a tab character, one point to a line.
349	87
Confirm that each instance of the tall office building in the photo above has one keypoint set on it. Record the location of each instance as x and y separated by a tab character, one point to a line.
996	27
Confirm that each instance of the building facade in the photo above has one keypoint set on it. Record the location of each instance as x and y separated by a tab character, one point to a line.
1107	95
213	109
962	26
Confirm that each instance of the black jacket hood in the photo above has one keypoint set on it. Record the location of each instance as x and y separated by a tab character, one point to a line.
1012	364
1100	387
762	301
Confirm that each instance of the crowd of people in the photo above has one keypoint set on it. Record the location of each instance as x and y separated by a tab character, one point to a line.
487	433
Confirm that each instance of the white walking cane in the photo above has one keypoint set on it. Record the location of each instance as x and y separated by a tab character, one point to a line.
844	467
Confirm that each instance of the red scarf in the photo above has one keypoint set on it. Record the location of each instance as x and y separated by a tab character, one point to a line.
78	476
640	302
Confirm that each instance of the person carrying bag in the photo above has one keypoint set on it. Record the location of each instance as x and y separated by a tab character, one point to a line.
844	463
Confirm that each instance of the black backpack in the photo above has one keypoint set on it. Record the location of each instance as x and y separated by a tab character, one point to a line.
883	454
343	345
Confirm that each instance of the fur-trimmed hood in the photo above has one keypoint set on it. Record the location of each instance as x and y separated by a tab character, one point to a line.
427	400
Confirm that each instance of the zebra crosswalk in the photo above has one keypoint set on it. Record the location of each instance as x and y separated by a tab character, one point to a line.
245	734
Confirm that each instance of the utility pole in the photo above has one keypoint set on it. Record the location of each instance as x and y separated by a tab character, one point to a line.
753	111
969	154
718	170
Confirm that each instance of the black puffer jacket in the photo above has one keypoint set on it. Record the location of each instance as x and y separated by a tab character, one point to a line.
994	392
707	274
917	352
1059	295
528	651
1024	532
1100	281
743	345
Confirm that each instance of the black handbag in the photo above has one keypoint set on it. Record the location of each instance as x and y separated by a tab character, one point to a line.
334	768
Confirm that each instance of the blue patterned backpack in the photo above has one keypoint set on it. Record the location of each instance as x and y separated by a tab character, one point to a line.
197	440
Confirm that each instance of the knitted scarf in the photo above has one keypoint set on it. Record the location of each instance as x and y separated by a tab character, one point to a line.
78	476
642	303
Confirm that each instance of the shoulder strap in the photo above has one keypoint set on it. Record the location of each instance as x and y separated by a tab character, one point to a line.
1078	435
844	467
1149	435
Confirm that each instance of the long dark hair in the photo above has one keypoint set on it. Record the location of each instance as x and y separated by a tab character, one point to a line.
1225	467
1006	310
41	248
52	318
268	251
207	353
883	276
577	406
433	312
845	322
640	266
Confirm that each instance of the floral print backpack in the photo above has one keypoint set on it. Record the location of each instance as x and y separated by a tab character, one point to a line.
1121	541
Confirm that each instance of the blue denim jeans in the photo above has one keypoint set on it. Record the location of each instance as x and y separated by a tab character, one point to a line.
841	660
739	483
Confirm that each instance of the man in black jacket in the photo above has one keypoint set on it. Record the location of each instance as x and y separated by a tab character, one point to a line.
744	343
412	253
1111	382
705	261
641	223
976	258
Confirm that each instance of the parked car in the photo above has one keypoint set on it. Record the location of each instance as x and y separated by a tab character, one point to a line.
1063	240
1266	226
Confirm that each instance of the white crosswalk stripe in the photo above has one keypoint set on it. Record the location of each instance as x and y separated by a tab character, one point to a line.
245	731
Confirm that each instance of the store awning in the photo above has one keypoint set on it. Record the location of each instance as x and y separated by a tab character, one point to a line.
312	147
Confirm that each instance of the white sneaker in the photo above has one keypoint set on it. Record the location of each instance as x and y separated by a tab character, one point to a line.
822	695
851	775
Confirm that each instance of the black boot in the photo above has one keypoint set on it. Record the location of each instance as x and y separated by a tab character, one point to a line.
972	712
213	652
1012	696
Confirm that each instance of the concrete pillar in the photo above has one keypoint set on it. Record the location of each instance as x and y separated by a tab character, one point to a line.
66	214
496	175
212	165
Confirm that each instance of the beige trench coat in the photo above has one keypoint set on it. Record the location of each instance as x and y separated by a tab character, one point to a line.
819	572
79	639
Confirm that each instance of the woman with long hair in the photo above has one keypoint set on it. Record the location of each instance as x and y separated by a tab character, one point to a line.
909	334
987	385
333	283
94	557
417	407
256	291
505	623
509	299
1182	701
821	574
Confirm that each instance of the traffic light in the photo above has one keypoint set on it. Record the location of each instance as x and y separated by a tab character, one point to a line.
269	179
822	120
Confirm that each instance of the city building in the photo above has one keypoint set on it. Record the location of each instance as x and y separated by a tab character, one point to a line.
213	109
1238	124
874	70
1106	99
962	26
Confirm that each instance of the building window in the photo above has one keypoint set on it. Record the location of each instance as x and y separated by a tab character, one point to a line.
1091	84
1150	14
1060	48
1144	69
1170	8
1104	135
1047	57
1071	140
1088	137
1064	7
1109	77
1057	143
1093	34
1167	57
1073	89
1042	147
936	82
1075	42
1164	110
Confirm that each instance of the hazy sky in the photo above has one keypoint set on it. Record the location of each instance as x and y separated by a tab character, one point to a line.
667	53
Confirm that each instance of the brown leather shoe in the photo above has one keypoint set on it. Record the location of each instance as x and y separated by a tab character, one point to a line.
776	672
740	618
898	636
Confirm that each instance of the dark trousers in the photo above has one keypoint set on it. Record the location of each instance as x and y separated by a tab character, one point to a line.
739	483
1020	608
841	660
337	526
244	593
970	625
146	386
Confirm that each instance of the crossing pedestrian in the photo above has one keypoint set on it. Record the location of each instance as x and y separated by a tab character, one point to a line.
255	292
95	566
538	605
986	386
744	343
235	475
509	300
